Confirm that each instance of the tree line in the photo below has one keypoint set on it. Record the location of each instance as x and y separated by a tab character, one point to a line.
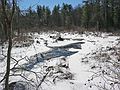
97	14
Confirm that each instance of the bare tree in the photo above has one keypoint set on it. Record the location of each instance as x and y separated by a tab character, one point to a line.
8	14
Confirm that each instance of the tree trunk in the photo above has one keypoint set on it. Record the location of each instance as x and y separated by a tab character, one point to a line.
98	25
106	14
8	56
8	18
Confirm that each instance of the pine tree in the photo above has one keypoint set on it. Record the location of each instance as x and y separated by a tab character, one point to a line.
86	15
56	16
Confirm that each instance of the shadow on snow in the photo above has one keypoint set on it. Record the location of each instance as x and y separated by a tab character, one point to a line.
54	53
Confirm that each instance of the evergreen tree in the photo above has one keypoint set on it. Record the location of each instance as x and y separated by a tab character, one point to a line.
77	16
48	16
56	17
86	15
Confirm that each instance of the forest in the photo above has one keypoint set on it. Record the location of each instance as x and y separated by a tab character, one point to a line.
101	15
66	47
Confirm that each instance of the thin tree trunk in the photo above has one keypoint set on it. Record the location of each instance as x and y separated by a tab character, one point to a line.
8	56
106	14
8	18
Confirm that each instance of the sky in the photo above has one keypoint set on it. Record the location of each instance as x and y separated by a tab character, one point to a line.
24	4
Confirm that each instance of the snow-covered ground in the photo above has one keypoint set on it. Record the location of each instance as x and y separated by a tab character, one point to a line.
73	64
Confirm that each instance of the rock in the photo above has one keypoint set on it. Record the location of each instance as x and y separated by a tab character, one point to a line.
19	86
93	67
12	85
16	86
37	42
60	39
51	36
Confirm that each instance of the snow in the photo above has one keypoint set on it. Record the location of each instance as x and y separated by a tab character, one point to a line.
73	58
